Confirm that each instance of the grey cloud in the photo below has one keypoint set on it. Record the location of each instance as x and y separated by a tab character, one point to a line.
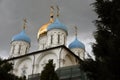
72	12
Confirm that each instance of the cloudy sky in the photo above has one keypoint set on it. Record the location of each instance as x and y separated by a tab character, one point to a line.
72	12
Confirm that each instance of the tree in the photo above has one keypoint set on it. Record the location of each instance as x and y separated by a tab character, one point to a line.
5	69
107	46
49	72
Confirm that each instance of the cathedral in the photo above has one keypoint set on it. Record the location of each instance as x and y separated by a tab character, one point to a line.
52	39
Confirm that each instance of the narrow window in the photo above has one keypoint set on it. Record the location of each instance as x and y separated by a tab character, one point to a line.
43	46
26	50
58	38
19	49
64	39
13	49
51	39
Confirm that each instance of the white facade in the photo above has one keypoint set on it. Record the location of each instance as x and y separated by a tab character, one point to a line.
42	41
19	48
52	45
79	52
56	37
33	64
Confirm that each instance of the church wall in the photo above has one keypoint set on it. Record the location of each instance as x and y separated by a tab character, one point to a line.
69	59
34	64
19	48
79	52
42	59
42	42
56	37
23	66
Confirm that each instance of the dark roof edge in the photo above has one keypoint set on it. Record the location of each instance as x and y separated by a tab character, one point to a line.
37	52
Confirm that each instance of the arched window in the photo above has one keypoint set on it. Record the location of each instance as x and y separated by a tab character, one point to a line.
23	71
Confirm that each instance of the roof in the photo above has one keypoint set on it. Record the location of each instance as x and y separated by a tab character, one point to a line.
22	36
76	44
41	51
57	25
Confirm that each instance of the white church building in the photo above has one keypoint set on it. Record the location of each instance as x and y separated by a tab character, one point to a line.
52	39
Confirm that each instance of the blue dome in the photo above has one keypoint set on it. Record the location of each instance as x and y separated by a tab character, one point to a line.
57	25
21	37
77	44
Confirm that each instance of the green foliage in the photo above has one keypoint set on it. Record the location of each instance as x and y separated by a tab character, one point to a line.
49	72
5	69
107	46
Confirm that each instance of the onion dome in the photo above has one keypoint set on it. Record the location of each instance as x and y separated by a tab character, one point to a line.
43	28
22	36
77	44
57	25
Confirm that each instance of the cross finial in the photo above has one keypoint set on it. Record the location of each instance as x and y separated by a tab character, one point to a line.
58	9
51	13
25	21
76	31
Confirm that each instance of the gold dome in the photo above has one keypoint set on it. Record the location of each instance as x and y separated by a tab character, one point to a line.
43	29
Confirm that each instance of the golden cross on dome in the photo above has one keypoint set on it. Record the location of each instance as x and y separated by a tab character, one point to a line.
25	21
51	13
